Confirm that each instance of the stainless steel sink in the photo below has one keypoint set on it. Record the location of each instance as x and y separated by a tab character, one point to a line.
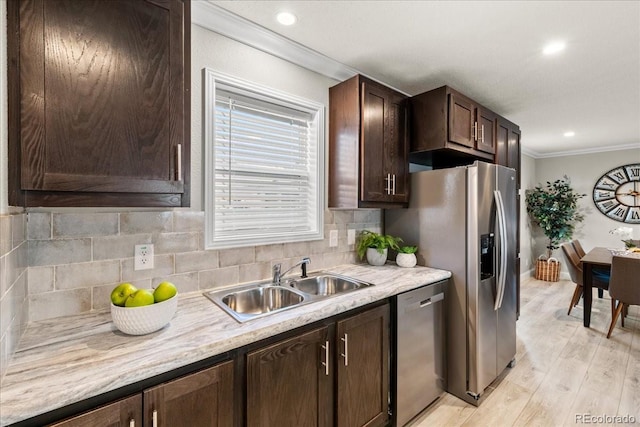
255	300
325	284
263	298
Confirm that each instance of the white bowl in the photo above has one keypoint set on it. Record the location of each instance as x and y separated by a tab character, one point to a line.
145	319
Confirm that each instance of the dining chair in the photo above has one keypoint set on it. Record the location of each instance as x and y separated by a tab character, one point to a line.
623	287
578	247
581	253
600	279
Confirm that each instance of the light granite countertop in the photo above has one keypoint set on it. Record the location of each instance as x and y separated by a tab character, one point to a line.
66	360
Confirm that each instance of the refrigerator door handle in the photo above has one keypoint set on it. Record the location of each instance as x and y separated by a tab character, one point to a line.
502	226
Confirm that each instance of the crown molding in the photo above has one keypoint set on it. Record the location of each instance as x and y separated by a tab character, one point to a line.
537	155
221	21
528	152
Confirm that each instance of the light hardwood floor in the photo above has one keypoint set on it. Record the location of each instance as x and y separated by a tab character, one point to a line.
563	369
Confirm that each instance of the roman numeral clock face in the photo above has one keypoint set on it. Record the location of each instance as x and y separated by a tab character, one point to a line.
617	194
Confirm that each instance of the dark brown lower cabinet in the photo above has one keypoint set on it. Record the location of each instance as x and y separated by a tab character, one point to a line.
314	379
204	398
336	374
290	384
363	369
123	413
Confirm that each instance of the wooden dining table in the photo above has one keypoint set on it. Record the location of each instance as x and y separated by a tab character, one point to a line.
596	257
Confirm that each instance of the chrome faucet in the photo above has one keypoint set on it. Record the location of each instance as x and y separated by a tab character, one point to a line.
277	275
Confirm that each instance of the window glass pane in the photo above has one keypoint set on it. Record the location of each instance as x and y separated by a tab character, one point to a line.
265	153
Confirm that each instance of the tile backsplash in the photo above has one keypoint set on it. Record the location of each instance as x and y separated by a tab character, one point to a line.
13	284
75	259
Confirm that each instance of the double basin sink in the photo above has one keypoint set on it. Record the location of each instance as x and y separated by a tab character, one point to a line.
259	299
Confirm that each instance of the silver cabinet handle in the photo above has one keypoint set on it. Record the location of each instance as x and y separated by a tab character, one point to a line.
387	186
132	423
179	161
325	347
154	418
345	339
475	131
482	133
394	184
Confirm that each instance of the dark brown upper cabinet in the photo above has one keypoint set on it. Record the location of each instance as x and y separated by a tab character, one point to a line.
99	102
368	146
450	129
508	144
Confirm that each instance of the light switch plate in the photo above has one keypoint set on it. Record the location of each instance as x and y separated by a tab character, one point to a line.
333	238
143	257
351	236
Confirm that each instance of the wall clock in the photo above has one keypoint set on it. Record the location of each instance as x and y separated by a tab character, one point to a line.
617	194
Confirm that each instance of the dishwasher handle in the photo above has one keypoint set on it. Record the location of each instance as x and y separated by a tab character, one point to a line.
424	302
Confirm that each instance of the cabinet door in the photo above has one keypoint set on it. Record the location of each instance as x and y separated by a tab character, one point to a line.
201	399
383	145
486	131
461	120
374	179
289	383
363	369
502	143
396	148
103	102
124	413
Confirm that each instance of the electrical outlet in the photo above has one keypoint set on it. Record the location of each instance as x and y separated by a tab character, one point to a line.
143	257
333	238
351	236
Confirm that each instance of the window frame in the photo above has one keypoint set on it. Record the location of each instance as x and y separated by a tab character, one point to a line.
214	78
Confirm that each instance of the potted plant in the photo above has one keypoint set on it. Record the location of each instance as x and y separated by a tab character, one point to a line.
407	256
376	246
554	207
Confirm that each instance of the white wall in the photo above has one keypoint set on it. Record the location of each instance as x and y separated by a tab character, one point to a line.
211	50
527	180
584	170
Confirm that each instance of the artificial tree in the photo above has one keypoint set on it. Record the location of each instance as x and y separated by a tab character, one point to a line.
554	208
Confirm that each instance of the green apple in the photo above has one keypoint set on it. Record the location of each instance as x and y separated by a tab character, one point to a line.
164	291
139	298
121	292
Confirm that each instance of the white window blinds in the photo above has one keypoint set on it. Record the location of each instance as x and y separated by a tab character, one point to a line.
265	159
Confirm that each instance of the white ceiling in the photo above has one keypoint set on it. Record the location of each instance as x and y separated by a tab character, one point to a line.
492	52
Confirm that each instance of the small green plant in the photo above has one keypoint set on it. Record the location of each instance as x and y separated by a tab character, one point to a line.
408	249
555	209
370	239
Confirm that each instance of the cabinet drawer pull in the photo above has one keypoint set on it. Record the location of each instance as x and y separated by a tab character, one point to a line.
179	161
154	418
132	423
325	347
345	340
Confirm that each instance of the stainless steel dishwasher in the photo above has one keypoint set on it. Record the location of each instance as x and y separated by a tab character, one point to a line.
420	362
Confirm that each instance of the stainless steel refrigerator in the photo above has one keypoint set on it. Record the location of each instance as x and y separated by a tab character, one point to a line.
464	220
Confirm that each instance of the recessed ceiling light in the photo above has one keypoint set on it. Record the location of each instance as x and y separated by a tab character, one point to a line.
554	47
569	134
286	18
